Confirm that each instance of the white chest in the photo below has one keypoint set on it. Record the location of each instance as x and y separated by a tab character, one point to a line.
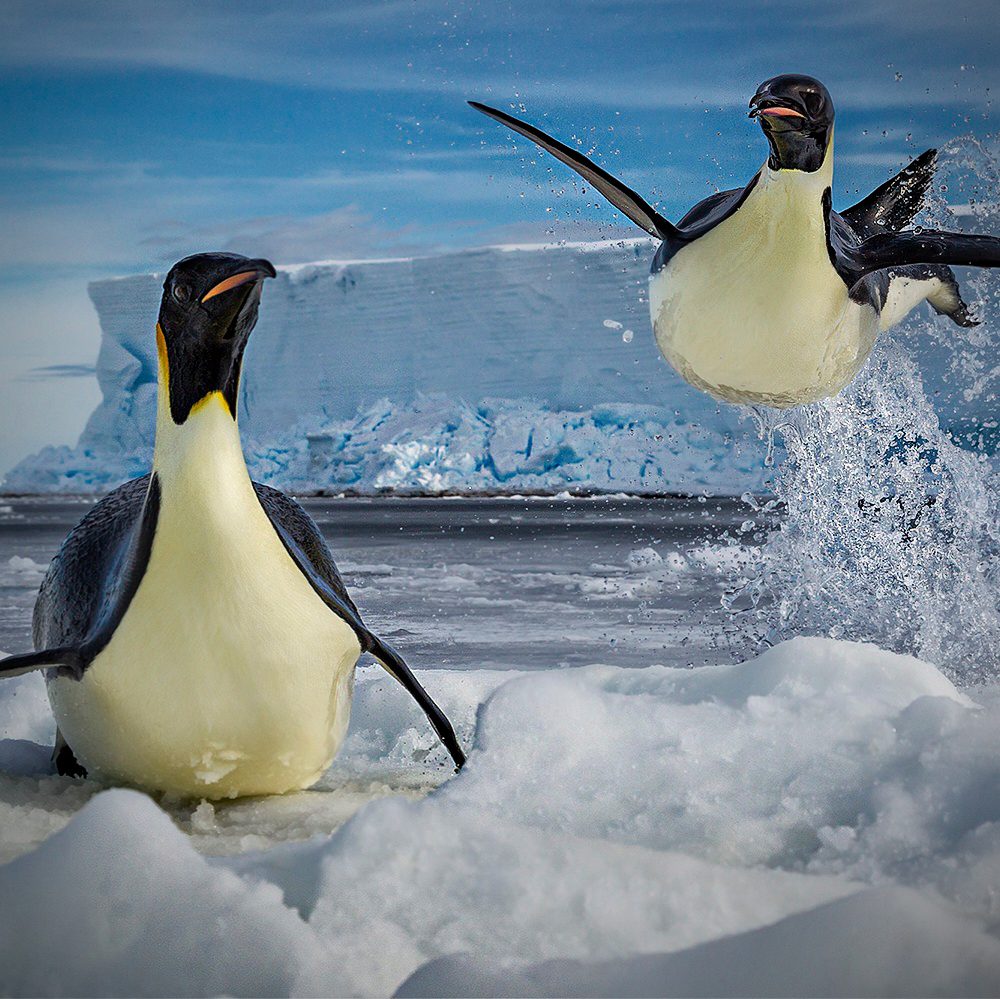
754	310
227	675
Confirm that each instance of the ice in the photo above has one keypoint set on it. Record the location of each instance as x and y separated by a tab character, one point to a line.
822	819
478	371
24	709
21	569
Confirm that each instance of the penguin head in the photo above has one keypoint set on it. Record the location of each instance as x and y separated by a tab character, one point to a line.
796	114
207	312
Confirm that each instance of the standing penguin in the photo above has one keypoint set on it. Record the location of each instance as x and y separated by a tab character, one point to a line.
765	294
197	635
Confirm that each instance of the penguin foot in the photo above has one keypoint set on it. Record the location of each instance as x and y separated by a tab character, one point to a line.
65	762
947	300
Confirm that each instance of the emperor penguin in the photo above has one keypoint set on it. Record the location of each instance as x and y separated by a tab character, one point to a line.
764	294
197	636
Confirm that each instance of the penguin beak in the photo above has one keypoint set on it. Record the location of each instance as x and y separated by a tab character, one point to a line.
780	112
770	111
258	270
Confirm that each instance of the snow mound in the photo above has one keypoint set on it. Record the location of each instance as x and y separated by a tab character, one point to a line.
824	819
119	902
881	942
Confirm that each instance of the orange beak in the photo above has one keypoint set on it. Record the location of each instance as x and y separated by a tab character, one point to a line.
779	112
231	282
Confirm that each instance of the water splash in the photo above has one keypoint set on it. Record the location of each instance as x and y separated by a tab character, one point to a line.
891	496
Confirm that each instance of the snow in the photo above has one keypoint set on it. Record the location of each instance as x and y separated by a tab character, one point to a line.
822	819
120	903
881	942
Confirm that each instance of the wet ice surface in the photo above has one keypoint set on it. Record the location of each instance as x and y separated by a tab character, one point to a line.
478	584
474	585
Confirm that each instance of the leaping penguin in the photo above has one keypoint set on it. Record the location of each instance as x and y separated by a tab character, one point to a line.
765	294
197	635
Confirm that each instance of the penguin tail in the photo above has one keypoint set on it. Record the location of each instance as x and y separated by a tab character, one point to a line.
66	661
394	665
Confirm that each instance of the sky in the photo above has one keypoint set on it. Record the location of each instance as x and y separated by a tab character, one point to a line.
137	132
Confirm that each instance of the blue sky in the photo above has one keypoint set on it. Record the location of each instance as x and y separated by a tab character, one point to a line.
136	132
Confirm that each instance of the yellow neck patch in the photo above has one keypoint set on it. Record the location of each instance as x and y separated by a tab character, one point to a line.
161	353
215	397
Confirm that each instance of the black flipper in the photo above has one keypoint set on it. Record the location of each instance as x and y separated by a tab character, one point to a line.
305	544
623	198
309	551
900	249
129	566
895	204
398	669
68	661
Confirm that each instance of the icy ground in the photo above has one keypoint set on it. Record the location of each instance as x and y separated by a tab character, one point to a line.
820	819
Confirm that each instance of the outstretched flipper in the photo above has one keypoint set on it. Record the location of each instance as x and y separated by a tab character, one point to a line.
623	198
895	204
900	249
304	543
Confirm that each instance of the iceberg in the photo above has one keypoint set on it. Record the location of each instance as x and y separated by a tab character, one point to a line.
507	369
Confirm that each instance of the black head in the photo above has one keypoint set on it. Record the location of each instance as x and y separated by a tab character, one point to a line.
208	309
796	114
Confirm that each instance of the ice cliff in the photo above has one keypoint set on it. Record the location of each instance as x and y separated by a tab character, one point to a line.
501	369
505	369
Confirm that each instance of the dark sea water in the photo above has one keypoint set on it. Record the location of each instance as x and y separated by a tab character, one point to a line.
481	583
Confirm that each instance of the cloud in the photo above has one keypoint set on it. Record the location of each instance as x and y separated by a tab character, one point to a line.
344	232
59	371
60	161
624	55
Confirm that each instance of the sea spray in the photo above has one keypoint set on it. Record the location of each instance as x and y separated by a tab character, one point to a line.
890	492
889	532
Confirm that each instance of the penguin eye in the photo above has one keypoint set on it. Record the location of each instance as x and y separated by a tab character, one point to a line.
182	293
813	102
